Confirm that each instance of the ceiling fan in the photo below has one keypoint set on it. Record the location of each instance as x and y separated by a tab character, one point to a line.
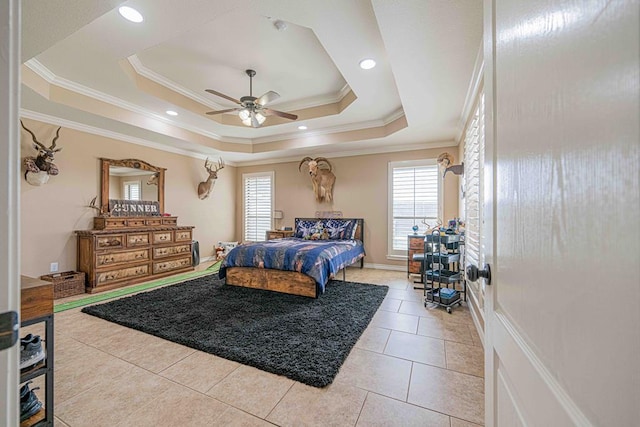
252	110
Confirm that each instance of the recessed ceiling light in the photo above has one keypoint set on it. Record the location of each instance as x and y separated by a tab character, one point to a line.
130	14
302	127
367	64
171	113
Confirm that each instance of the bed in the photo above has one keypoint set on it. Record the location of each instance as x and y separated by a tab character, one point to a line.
299	265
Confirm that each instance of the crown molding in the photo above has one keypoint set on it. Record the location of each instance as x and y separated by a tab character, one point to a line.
57	121
310	102
353	153
72	86
140	68
53	79
475	87
41	70
349	127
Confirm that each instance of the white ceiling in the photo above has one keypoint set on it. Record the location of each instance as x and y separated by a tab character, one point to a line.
86	67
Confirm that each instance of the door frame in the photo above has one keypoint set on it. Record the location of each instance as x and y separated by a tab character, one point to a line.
489	206
9	200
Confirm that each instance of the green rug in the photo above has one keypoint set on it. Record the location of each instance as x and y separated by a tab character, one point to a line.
212	269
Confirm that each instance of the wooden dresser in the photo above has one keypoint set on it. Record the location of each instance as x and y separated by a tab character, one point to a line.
120	251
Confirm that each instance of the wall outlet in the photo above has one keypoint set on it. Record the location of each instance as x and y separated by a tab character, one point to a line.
53	268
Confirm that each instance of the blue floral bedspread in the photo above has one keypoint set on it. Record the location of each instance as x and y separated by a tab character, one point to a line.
320	259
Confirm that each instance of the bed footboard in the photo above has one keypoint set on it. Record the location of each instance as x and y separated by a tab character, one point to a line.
288	282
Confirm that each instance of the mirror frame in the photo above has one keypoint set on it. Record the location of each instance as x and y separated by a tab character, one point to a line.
129	163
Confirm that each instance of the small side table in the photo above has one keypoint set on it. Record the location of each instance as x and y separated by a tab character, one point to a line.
278	234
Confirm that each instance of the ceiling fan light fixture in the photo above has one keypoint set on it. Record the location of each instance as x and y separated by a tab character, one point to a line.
130	14
245	115
367	64
252	111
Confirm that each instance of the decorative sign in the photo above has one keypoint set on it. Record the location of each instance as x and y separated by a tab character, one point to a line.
328	214
133	208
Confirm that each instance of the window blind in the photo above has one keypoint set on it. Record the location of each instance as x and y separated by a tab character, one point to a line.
414	197
132	190
473	182
258	201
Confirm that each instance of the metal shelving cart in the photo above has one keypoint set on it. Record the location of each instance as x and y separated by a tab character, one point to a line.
442	270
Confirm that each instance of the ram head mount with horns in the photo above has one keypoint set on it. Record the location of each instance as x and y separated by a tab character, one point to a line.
322	178
39	168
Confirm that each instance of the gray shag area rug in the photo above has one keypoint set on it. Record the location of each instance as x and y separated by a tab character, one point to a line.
302	338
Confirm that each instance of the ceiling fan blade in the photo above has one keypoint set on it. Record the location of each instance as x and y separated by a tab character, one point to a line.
254	120
267	98
270	112
222	95
222	111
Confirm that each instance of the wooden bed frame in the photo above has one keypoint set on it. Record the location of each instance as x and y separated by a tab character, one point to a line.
288	282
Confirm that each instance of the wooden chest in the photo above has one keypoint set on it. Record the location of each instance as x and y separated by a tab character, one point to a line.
116	257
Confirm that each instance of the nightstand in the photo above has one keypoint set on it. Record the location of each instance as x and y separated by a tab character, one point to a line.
278	234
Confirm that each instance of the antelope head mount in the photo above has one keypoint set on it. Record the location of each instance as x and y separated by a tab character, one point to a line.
445	161
40	167
205	187
322	178
153	179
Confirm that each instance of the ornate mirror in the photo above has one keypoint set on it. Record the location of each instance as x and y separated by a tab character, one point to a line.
131	179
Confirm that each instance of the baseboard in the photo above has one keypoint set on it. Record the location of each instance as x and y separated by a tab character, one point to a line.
386	267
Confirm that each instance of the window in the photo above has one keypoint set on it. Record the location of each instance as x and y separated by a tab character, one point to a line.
414	196
258	204
132	190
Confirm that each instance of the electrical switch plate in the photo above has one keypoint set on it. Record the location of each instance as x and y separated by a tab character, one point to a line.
53	268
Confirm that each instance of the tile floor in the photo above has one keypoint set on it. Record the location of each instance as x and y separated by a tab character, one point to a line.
413	366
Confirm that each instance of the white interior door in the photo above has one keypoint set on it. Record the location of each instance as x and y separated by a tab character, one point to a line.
562	212
9	199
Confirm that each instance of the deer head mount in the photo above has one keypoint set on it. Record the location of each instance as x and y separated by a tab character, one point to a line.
322	178
205	187
40	167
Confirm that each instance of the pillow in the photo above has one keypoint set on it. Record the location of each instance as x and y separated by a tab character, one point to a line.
322	229
303	227
340	229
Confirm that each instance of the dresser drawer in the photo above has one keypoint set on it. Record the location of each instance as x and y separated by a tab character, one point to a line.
135	222
162	237
169	221
112	241
416	243
183	235
170	265
103	259
168	251
137	239
106	277
415	267
153	222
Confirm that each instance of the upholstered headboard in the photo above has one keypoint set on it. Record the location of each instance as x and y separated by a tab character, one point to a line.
359	232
